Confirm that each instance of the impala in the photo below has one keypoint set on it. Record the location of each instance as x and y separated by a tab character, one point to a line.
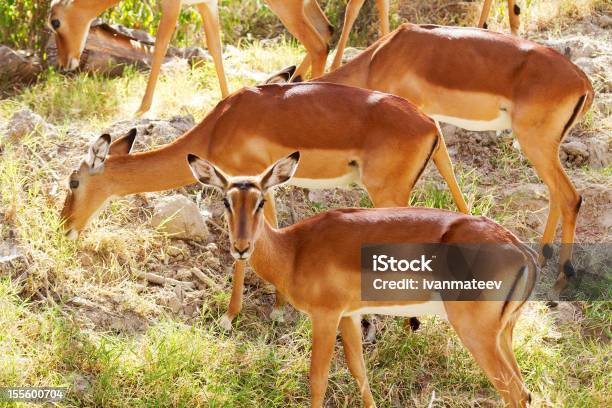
347	135
315	264
480	80
353	7
70	21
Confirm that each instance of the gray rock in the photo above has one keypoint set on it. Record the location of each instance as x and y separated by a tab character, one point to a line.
23	123
17	66
599	151
180	217
152	132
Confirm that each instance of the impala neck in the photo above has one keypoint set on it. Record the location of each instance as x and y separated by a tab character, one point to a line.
157	170
272	258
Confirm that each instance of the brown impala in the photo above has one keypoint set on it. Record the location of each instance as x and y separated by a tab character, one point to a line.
70	21
322	277
346	135
353	7
480	80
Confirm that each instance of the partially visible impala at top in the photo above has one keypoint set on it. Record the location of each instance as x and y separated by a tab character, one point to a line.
353	7
346	135
480	80
316	265
70	21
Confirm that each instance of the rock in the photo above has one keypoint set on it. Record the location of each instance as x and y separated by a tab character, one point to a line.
604	21
152	132
180	217
17	66
350	53
600	151
574	47
23	123
192	54
574	152
316	196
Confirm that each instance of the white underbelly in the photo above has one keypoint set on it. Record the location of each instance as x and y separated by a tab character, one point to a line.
435	307
342	181
502	122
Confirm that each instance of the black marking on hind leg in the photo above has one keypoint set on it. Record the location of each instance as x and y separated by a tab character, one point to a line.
414	324
433	148
568	269
519	275
529	398
572	118
579	204
485	26
547	251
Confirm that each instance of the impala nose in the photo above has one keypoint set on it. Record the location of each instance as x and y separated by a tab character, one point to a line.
241	252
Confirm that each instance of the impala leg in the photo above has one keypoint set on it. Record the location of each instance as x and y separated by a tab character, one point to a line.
484	14
563	198
514	11
235	304
301	70
350	329
294	17
383	12
169	17
352	11
382	196
210	17
554	212
319	20
324	326
484	341
270	214
444	165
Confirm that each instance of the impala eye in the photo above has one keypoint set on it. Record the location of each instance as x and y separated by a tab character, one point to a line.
74	184
226	203
55	23
261	204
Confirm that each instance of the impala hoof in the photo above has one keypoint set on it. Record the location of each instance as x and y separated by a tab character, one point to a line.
225	323
368	331
277	315
414	324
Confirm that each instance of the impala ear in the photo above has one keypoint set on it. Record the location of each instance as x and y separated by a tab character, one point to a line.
281	171
282	76
124	144
97	153
206	173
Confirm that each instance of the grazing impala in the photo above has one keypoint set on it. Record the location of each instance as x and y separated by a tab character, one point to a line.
353	7
70	21
347	135
480	80
316	265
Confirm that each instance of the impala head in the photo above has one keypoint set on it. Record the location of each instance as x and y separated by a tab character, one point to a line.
243	198
70	20
91	184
